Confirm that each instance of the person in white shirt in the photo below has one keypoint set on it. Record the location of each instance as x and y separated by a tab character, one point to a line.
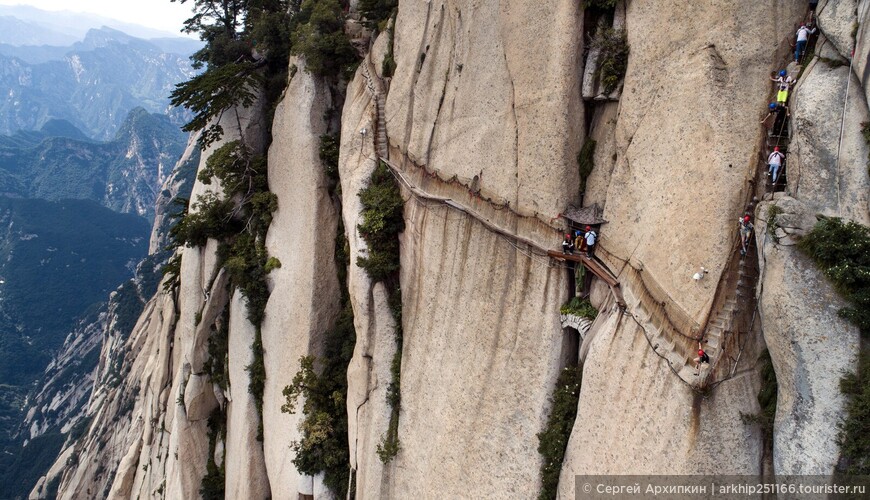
590	238
783	83
803	34
774	163
783	80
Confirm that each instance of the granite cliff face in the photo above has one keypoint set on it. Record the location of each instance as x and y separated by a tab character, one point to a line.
481	125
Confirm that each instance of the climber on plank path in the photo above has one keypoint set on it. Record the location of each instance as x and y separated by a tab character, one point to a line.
803	35
746	228
774	163
780	113
568	244
784	83
703	357
591	237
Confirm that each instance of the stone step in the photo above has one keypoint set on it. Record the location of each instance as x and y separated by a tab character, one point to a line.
690	374
675	359
642	316
746	283
662	346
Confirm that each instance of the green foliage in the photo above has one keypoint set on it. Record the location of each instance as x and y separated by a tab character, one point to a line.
52	486
842	252
600	4
211	218
323	447
578	307
613	61
245	261
246	50
389	446
376	12
237	168
388	66
213	483
767	395
329	152
239	221
854	435
553	440
379	266
172	272
272	263
382	222
218	351
319	37
257	378
209	94
586	161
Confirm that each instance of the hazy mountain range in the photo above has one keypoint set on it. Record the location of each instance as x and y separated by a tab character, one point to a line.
87	140
27	25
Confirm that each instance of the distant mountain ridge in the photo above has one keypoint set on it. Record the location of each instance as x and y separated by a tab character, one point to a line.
15	31
124	174
93	85
74	24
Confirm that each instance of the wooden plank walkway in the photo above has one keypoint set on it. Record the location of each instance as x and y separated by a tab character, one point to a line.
596	267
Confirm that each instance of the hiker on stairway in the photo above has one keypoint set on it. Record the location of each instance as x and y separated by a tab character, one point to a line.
746	228
579	242
803	34
774	163
780	113
783	79
783	83
568	244
702	358
591	238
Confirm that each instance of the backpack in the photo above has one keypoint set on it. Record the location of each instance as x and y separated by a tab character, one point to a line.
591	234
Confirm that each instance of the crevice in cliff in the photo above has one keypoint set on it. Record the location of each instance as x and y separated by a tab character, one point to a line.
443	87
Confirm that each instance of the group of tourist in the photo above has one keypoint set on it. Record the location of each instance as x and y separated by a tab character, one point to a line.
582	241
779	109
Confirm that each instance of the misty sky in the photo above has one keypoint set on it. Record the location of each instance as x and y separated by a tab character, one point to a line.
157	14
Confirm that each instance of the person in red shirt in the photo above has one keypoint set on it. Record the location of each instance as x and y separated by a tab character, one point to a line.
702	358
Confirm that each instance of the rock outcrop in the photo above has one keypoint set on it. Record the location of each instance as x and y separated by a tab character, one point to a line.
828	158
810	344
305	291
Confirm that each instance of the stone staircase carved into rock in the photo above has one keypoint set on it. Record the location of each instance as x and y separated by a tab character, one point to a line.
376	89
